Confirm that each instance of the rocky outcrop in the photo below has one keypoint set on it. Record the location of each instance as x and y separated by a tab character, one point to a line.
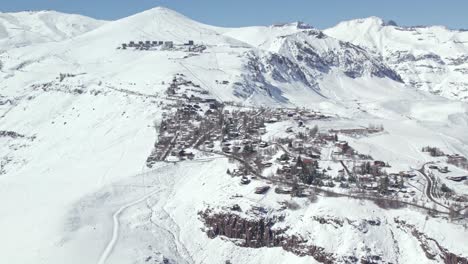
257	232
432	249
257	229
431	59
306	50
11	134
305	58
261	69
254	233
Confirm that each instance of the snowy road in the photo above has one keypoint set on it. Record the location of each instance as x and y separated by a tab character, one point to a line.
430	187
115	232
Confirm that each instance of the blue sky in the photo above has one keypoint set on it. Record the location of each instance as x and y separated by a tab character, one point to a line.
321	14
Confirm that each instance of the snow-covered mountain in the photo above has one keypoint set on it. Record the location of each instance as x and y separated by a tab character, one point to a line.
26	28
85	176
431	58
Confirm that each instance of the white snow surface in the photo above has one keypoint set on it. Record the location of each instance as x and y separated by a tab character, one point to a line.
76	189
27	28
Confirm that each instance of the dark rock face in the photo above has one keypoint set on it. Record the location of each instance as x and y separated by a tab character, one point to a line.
406	56
280	68
353	60
260	232
11	134
458	61
391	23
284	69
254	234
432	249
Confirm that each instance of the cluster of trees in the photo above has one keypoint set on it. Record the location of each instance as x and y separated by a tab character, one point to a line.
308	172
384	183
444	188
368	168
309	134
433	151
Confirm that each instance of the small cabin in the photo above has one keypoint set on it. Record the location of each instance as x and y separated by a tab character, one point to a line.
379	163
298	144
262	189
443	169
458	179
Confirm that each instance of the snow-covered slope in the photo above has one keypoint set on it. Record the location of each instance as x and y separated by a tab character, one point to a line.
79	117
254	72
159	24
431	58
262	36
26	28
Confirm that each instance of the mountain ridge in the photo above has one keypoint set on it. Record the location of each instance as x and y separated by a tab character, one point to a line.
27	28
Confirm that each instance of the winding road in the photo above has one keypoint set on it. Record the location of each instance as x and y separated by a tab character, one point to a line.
329	192
430	187
115	231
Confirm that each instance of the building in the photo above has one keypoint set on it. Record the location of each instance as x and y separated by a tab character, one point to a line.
298	144
456	158
458	179
443	169
379	163
342	145
168	44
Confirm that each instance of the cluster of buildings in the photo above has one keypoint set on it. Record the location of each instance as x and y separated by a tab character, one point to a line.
151	44
457	160
202	124
358	131
299	115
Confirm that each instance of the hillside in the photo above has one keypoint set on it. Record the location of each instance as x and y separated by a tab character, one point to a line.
429	58
26	28
276	144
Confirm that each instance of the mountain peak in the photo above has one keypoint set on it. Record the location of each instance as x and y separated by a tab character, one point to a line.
369	21
160	11
297	25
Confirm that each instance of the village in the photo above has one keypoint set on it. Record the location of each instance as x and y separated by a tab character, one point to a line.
288	152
